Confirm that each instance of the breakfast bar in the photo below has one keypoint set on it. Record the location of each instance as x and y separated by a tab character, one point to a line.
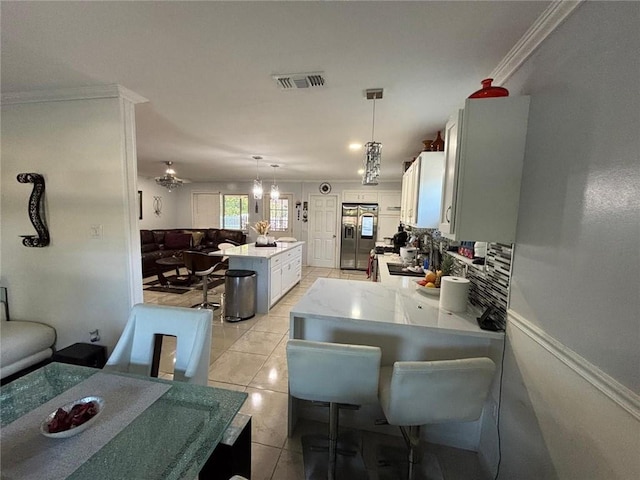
406	324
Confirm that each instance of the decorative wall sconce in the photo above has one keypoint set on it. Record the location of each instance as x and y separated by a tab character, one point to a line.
157	205
35	211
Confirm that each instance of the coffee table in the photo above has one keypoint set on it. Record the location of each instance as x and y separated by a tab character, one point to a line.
180	280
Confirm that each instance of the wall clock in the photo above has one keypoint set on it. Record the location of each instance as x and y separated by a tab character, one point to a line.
324	188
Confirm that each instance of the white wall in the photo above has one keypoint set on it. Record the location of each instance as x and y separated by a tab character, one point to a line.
76	284
575	285
168	217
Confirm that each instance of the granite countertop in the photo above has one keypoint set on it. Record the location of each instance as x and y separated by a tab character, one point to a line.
395	300
250	250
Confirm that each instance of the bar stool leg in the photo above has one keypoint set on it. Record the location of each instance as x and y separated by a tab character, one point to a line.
333	439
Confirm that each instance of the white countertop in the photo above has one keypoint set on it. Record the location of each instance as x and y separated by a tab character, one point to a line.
395	300
250	250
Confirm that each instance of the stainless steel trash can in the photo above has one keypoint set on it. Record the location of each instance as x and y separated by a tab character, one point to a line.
240	295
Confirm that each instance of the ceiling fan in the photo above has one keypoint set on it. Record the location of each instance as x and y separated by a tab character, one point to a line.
169	179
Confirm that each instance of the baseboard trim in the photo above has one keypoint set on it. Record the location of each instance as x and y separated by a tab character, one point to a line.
614	390
546	23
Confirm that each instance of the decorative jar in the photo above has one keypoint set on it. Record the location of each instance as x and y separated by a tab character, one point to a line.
488	90
262	240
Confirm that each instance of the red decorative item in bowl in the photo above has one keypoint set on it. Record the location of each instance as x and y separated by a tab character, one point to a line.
488	91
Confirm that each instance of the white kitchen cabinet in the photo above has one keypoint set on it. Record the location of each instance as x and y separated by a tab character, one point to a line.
357	196
286	271
422	191
389	203
484	153
275	280
388	213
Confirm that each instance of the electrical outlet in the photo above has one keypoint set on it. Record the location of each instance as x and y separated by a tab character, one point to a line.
94	336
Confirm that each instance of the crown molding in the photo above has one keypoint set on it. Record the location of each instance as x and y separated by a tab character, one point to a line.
614	390
547	22
75	93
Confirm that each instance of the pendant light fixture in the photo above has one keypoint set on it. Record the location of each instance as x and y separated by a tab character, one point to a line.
257	183
275	191
373	149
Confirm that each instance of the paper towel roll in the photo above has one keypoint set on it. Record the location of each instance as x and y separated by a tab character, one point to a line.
453	293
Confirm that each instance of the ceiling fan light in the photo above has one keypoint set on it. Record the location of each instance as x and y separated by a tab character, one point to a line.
169	179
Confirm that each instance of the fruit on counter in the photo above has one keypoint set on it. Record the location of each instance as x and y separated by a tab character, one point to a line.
422	282
430	285
430	276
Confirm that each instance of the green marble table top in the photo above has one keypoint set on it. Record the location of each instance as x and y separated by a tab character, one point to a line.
172	438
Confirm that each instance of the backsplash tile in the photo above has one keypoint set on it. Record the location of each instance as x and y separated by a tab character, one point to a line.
489	287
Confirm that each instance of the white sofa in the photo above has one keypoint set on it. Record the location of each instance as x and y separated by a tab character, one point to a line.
23	344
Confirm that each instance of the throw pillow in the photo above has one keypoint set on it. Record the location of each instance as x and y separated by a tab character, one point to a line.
197	238
177	241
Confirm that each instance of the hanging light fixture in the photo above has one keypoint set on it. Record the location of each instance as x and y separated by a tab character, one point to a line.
275	191
373	149
257	183
169	179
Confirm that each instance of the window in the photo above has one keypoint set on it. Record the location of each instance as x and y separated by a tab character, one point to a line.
235	211
280	215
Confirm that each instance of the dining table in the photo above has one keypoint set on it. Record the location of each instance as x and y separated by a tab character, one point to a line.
148	428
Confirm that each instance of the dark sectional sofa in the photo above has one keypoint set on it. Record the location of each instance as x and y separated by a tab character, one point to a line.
163	243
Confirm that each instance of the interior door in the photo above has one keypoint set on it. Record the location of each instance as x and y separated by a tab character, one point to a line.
323	228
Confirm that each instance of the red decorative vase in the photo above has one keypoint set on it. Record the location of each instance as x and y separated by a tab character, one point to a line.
488	91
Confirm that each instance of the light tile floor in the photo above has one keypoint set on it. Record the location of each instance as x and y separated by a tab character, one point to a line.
249	356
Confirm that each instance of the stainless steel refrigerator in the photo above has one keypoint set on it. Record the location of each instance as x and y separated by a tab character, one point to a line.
358	235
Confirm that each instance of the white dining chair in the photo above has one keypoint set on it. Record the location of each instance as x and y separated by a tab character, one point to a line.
134	352
419	393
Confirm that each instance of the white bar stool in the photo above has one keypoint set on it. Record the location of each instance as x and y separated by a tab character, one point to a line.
334	373
419	393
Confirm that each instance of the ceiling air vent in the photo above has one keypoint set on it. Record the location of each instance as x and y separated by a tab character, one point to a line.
293	81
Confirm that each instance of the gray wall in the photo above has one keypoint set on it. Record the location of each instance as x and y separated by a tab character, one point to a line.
576	263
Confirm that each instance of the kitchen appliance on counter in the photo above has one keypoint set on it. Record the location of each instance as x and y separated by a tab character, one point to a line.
400	239
408	255
358	234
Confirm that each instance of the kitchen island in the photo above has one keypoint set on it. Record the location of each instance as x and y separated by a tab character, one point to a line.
277	269
407	325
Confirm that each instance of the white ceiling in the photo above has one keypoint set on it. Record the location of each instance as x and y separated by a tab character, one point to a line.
206	69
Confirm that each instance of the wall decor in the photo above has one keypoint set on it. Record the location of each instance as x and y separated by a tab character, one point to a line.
139	204
157	205
324	188
35	211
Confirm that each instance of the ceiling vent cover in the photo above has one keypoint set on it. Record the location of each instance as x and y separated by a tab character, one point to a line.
293	81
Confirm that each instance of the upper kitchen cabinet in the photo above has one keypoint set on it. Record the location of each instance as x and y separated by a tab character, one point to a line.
422	191
484	152
356	196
